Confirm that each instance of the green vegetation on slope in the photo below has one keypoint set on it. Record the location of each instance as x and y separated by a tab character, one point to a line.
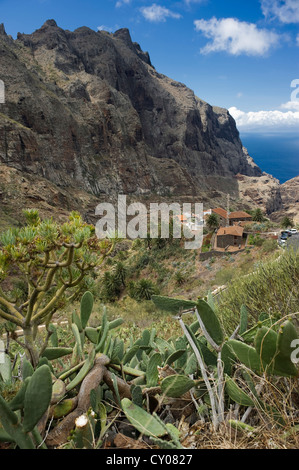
272	288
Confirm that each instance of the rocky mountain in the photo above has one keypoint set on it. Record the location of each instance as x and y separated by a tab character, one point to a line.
87	113
290	201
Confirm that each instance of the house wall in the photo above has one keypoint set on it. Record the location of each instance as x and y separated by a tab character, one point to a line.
222	220
225	240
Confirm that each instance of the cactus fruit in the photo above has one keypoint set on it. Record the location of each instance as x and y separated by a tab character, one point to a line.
249	335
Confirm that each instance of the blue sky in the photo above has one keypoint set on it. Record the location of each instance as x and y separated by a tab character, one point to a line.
239	55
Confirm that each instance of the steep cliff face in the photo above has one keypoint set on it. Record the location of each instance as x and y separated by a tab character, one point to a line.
290	201
87	110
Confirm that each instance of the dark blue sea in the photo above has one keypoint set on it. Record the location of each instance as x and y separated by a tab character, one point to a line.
277	154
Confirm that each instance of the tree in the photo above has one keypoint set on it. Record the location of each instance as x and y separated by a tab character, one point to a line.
142	290
258	216
213	221
53	261
286	222
111	287
120	272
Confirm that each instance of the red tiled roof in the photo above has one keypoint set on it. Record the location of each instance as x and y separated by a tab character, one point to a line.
232	230
220	211
239	215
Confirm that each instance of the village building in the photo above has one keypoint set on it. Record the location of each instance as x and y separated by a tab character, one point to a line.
222	214
238	217
230	236
233	218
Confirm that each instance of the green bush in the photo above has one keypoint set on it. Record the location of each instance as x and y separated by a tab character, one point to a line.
142	289
269	246
272	287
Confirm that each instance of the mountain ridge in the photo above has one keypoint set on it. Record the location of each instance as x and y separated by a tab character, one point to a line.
94	114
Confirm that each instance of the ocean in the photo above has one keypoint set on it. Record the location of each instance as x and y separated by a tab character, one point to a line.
277	154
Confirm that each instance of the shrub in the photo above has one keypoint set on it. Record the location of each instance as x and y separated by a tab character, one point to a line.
272	287
179	278
142	289
269	246
54	261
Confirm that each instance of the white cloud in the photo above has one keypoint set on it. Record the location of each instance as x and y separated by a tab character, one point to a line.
287	11
235	37
104	28
156	13
291	105
120	3
297	39
265	120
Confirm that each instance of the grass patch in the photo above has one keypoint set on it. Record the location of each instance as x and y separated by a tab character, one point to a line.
272	288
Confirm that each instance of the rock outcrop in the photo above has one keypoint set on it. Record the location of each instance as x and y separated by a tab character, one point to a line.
290	201
88	112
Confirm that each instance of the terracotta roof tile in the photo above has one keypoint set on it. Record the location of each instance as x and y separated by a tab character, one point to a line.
239	215
220	211
232	230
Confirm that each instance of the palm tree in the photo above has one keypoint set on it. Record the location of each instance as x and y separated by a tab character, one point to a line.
120	273
213	221
258	216
286	222
144	289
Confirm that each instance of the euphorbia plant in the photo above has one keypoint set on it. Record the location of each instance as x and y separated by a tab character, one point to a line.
53	260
